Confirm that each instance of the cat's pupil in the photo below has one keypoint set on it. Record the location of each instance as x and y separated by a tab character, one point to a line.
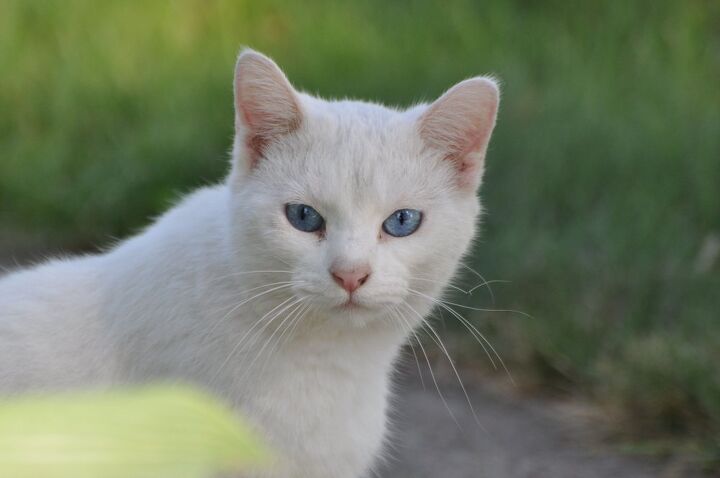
401	217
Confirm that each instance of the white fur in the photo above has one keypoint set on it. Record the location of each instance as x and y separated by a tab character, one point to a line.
171	302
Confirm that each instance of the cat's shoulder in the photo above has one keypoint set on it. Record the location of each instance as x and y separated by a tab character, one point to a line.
201	204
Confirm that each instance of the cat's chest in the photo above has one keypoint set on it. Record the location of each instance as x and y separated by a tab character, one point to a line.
322	384
322	404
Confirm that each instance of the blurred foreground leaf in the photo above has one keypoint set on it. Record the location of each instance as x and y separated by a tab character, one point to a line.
151	432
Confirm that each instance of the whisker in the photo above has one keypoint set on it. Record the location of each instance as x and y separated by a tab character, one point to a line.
267	341
472	328
487	283
289	320
301	316
243	302
484	283
243	273
412	348
244	337
266	323
442	283
432	374
438	341
512	311
281	285
300	312
267	285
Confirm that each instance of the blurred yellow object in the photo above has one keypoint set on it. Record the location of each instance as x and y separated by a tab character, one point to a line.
154	432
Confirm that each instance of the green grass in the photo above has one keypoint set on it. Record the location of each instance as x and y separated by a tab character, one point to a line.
603	180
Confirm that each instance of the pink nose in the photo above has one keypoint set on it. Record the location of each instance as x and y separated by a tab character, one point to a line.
351	279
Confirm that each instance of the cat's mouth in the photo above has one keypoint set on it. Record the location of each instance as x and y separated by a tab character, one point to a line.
359	303
350	304
355	303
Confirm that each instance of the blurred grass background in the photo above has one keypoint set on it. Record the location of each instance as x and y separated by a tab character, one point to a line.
603	187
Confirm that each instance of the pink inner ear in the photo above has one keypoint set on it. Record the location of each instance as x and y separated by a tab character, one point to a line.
466	150
468	170
460	124
263	124
266	104
262	128
471	158
255	145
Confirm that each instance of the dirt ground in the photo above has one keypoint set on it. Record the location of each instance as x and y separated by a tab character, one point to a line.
512	437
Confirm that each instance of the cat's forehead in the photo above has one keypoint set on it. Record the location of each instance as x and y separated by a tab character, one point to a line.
357	126
357	154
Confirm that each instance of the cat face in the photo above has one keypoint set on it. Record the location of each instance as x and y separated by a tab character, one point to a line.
367	208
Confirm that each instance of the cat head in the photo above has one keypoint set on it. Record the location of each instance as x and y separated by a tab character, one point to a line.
366	209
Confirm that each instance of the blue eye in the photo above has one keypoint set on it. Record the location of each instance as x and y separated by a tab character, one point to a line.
402	222
304	218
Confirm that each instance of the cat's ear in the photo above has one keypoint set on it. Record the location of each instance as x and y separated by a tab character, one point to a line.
458	125
266	107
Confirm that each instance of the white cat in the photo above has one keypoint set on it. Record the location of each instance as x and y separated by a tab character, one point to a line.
288	289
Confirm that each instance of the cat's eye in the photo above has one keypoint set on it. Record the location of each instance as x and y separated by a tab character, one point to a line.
402	222
304	218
